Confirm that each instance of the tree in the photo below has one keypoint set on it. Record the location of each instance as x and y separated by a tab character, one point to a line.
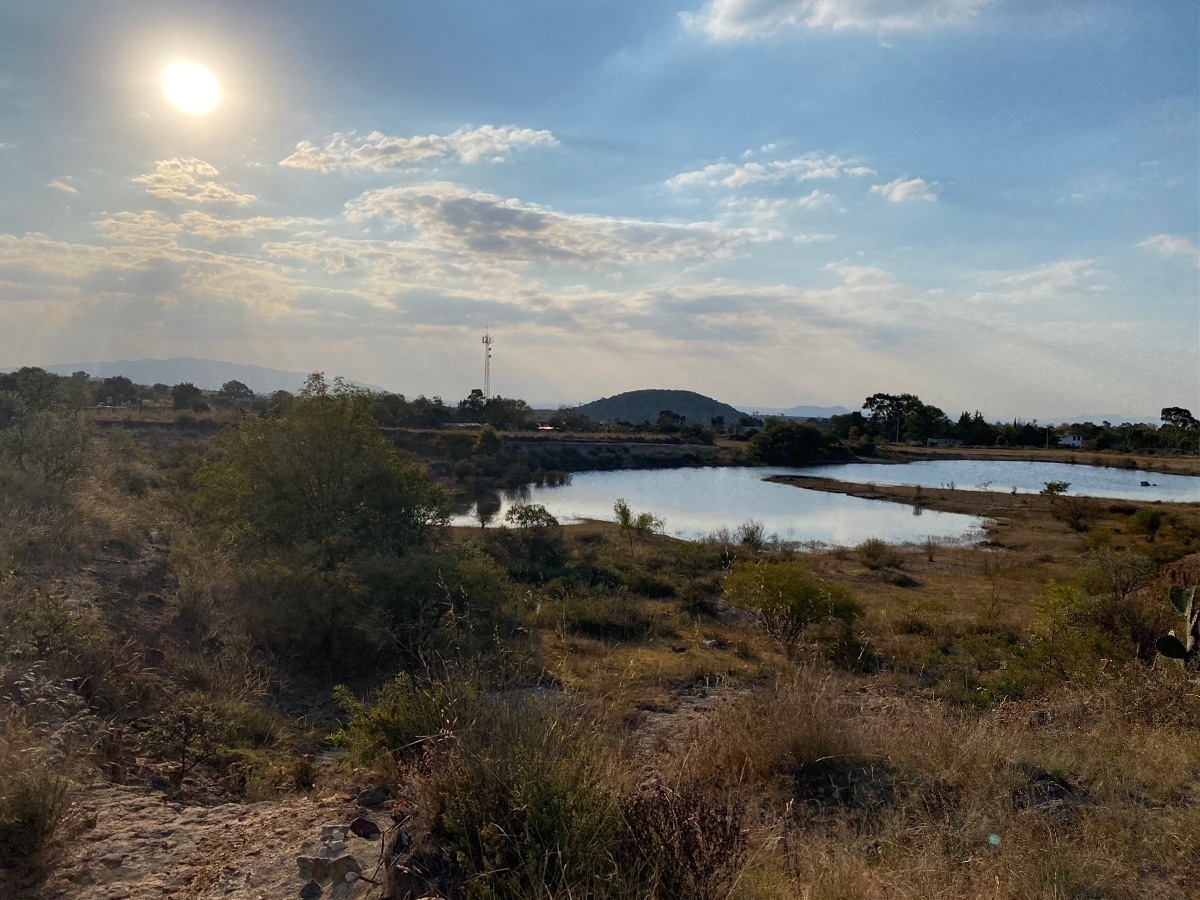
117	391
788	444
488	442
887	413
235	390
639	526
185	395
319	476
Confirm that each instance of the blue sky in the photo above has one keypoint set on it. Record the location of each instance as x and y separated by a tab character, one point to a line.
991	203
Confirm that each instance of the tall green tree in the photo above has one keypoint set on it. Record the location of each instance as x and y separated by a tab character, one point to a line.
321	476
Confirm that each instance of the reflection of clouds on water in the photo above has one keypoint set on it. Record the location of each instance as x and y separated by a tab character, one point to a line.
1022	477
698	502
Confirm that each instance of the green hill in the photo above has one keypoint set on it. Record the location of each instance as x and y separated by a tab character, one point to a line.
644	406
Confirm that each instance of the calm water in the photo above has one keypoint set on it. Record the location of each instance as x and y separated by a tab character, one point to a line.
696	502
1026	477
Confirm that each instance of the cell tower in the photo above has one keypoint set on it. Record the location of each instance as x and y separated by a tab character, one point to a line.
487	366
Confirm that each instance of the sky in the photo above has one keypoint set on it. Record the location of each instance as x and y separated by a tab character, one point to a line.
992	204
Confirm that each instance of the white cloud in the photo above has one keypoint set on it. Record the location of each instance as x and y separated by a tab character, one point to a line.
732	175
189	179
378	151
62	184
733	20
451	218
1172	245
901	190
1057	280
214	228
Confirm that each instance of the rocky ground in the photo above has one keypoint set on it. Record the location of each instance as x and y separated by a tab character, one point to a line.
125	843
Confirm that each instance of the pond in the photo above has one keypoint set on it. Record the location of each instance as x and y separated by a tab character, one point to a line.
696	502
1024	477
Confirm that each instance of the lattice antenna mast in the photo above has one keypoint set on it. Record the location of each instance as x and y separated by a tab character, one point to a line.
487	366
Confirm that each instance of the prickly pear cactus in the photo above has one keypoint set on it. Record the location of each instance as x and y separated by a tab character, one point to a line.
1187	649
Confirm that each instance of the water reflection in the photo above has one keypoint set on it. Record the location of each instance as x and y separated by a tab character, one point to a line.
1021	477
697	502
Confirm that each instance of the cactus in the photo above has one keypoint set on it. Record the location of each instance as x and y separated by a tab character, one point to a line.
1188	649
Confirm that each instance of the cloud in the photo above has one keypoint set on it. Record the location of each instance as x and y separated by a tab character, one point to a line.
733	175
738	20
147	229
901	190
1172	245
189	179
450	218
378	152
62	184
214	228
1061	279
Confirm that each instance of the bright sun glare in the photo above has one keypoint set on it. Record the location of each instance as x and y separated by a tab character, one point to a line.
191	88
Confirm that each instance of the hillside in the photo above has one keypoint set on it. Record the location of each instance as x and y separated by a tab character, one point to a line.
644	406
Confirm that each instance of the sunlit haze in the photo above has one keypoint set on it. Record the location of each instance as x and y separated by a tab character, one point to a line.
988	203
191	88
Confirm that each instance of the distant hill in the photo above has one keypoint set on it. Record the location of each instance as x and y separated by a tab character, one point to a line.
798	412
209	374
644	406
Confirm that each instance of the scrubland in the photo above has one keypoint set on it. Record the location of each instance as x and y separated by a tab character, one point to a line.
593	710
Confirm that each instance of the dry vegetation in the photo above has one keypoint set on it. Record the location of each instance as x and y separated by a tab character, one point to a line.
590	712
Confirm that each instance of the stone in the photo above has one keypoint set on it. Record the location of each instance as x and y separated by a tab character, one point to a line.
336	847
314	868
374	797
333	832
338	868
364	828
310	891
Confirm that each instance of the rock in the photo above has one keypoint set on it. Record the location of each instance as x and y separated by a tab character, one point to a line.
375	797
313	868
364	828
336	847
352	877
310	891
337	869
333	832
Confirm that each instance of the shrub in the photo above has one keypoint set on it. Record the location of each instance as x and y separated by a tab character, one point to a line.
752	535
781	729
877	554
33	801
694	843
787	598
403	716
521	803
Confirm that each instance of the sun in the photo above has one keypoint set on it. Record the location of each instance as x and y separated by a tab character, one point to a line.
191	88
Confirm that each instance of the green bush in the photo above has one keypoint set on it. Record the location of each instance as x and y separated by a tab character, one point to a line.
787	598
877	554
402	716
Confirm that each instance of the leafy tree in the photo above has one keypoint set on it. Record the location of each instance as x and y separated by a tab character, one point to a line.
185	395
117	390
38	389
887	413
533	523
319	475
235	390
640	526
788	444
488	442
